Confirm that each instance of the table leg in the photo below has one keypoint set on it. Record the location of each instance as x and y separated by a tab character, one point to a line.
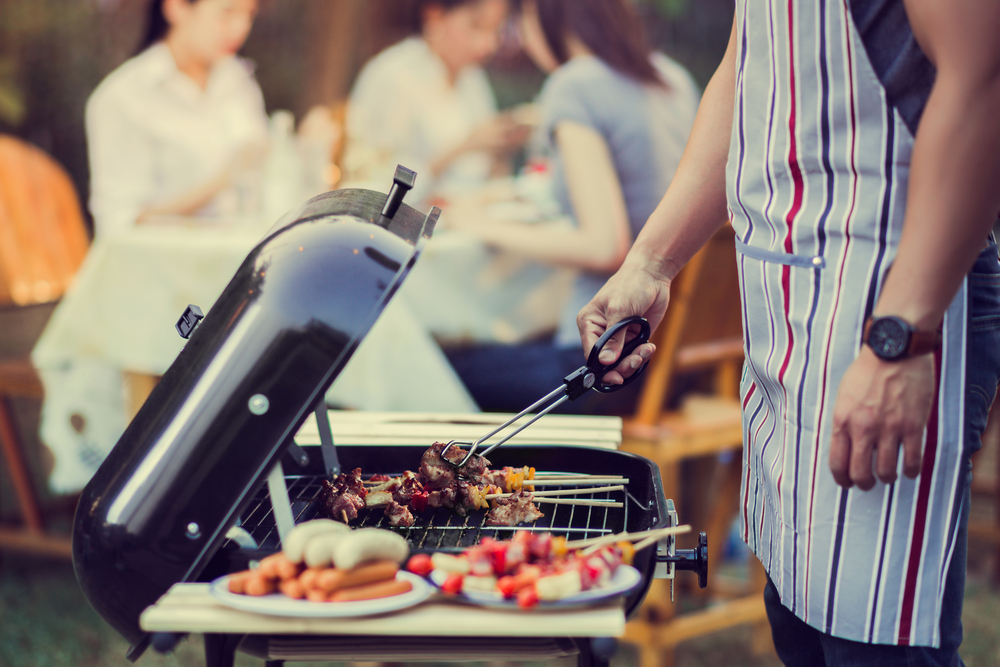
220	650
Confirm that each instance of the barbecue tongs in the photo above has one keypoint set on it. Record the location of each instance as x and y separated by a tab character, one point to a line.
575	385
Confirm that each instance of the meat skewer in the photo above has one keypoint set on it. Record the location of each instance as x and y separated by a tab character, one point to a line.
438	483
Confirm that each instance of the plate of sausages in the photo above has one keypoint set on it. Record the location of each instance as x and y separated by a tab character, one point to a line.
414	591
326	569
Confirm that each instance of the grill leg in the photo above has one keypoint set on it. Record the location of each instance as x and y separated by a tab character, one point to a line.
220	650
596	651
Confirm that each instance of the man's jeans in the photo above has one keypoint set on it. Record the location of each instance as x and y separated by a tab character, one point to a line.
800	644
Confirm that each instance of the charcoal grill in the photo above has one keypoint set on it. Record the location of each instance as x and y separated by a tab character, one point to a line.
207	477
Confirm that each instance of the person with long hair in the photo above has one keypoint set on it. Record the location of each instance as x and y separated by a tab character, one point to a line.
426	103
617	117
171	130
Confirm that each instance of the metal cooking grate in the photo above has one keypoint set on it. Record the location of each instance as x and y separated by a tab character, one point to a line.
442	529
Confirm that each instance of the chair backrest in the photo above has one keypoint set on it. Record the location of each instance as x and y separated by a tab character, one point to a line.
43	235
703	327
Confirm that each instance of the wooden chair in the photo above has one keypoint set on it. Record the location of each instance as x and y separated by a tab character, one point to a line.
43	239
698	444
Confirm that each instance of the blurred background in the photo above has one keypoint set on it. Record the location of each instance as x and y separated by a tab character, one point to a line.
53	53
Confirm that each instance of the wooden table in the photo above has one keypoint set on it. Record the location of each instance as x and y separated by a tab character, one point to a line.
437	629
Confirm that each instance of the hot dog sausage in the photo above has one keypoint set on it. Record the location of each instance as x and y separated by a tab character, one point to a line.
380	589
366	544
335	579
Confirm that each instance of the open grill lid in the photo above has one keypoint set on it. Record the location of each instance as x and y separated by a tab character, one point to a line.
226	409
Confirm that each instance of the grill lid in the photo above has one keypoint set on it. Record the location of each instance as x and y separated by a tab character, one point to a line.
252	371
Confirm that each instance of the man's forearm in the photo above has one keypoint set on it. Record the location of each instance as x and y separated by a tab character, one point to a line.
954	187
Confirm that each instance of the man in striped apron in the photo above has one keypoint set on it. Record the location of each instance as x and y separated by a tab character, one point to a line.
843	138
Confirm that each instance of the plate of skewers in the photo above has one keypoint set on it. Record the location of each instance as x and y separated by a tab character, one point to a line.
535	570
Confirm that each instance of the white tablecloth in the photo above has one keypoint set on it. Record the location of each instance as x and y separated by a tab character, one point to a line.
119	315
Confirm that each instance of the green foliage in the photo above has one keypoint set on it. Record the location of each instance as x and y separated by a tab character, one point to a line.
670	9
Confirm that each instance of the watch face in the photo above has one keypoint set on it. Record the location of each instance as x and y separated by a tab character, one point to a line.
888	338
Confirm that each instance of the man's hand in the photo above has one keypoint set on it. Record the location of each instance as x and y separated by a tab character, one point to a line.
880	407
632	291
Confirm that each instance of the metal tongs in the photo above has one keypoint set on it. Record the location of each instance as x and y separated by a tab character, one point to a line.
575	385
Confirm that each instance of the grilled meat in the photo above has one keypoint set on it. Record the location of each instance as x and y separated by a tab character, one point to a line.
343	496
438	484
436	473
516	508
398	515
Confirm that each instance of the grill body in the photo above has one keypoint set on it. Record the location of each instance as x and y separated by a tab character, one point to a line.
189	463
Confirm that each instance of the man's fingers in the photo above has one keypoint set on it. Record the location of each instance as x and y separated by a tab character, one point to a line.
840	456
913	453
862	449
887	457
612	348
630	365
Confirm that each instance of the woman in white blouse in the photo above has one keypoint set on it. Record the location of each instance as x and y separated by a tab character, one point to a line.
426	103
171	130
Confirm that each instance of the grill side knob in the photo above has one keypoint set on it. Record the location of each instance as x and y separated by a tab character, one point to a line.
695	560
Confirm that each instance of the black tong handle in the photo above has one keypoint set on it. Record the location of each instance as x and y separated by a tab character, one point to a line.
588	377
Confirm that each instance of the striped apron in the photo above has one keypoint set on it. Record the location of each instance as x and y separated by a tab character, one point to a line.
817	180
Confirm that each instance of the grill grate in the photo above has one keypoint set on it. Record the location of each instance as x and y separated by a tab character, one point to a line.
442	529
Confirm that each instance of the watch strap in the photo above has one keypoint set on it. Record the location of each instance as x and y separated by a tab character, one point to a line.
923	342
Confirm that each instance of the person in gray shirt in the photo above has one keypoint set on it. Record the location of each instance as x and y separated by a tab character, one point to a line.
615	117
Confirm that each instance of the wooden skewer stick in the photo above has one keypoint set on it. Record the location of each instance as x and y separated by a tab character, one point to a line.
591	502
343	513
574	475
563	492
642	536
553	481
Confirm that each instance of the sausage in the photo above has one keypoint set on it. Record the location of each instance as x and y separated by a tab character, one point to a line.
379	589
278	566
320	549
309	576
366	544
337	578
238	582
260	585
295	542
293	588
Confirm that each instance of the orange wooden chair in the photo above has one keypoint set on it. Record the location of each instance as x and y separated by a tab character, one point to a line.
43	240
698	445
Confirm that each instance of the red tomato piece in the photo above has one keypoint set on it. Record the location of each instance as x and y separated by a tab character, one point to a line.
507	586
453	584
420	564
527	597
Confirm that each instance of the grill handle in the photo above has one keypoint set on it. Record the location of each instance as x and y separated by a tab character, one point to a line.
695	560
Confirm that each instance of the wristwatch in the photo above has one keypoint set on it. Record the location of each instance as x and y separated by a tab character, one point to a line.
892	338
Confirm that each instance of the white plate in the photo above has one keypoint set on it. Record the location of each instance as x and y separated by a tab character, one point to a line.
624	580
278	604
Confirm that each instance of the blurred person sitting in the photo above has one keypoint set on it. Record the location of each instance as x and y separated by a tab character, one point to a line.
426	103
617	117
173	129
